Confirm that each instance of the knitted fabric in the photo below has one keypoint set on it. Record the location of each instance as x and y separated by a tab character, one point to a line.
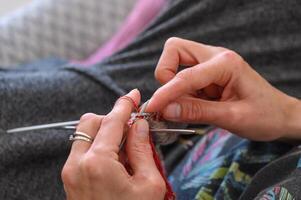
169	195
69	29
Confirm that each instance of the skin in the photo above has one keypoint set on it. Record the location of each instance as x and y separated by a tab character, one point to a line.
218	88
95	171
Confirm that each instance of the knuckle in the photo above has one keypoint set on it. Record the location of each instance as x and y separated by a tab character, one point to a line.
106	151
67	175
108	119
234	59
142	148
192	112
158	185
88	117
114	118
172	41
186	76
235	115
87	164
90	168
229	54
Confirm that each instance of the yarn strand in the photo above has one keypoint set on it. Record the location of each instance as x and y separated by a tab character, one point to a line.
169	195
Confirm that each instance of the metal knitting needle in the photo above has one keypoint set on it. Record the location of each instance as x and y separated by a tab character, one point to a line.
43	126
72	126
59	124
47	126
165	130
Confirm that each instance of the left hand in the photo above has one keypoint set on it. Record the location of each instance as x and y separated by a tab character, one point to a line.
94	171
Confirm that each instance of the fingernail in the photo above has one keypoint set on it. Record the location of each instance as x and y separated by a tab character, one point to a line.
172	111
134	90
142	128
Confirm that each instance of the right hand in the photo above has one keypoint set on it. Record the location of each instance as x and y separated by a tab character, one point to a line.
220	88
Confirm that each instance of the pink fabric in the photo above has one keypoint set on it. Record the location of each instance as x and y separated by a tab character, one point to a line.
142	14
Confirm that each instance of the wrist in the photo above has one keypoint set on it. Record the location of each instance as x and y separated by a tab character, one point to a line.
293	119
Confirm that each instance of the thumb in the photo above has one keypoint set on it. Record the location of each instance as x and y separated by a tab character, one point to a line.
193	110
139	151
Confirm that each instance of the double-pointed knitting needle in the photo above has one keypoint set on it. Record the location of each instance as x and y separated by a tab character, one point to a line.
166	130
72	126
68	125
43	126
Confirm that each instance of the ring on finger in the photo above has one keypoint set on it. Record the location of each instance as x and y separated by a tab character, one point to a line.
81	136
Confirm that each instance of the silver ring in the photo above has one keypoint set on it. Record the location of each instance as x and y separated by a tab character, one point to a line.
78	133
73	138
81	136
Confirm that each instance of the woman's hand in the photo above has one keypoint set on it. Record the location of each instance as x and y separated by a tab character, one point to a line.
220	88
94	171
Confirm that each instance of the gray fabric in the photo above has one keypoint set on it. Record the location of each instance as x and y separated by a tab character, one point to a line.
285	177
265	32
70	29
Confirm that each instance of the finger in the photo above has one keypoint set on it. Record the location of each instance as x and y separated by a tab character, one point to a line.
181	52
112	127
219	70
139	151
89	124
195	110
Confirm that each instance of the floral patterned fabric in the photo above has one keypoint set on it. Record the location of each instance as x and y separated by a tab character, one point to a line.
221	166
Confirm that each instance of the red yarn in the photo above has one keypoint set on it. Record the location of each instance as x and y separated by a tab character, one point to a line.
170	195
130	100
